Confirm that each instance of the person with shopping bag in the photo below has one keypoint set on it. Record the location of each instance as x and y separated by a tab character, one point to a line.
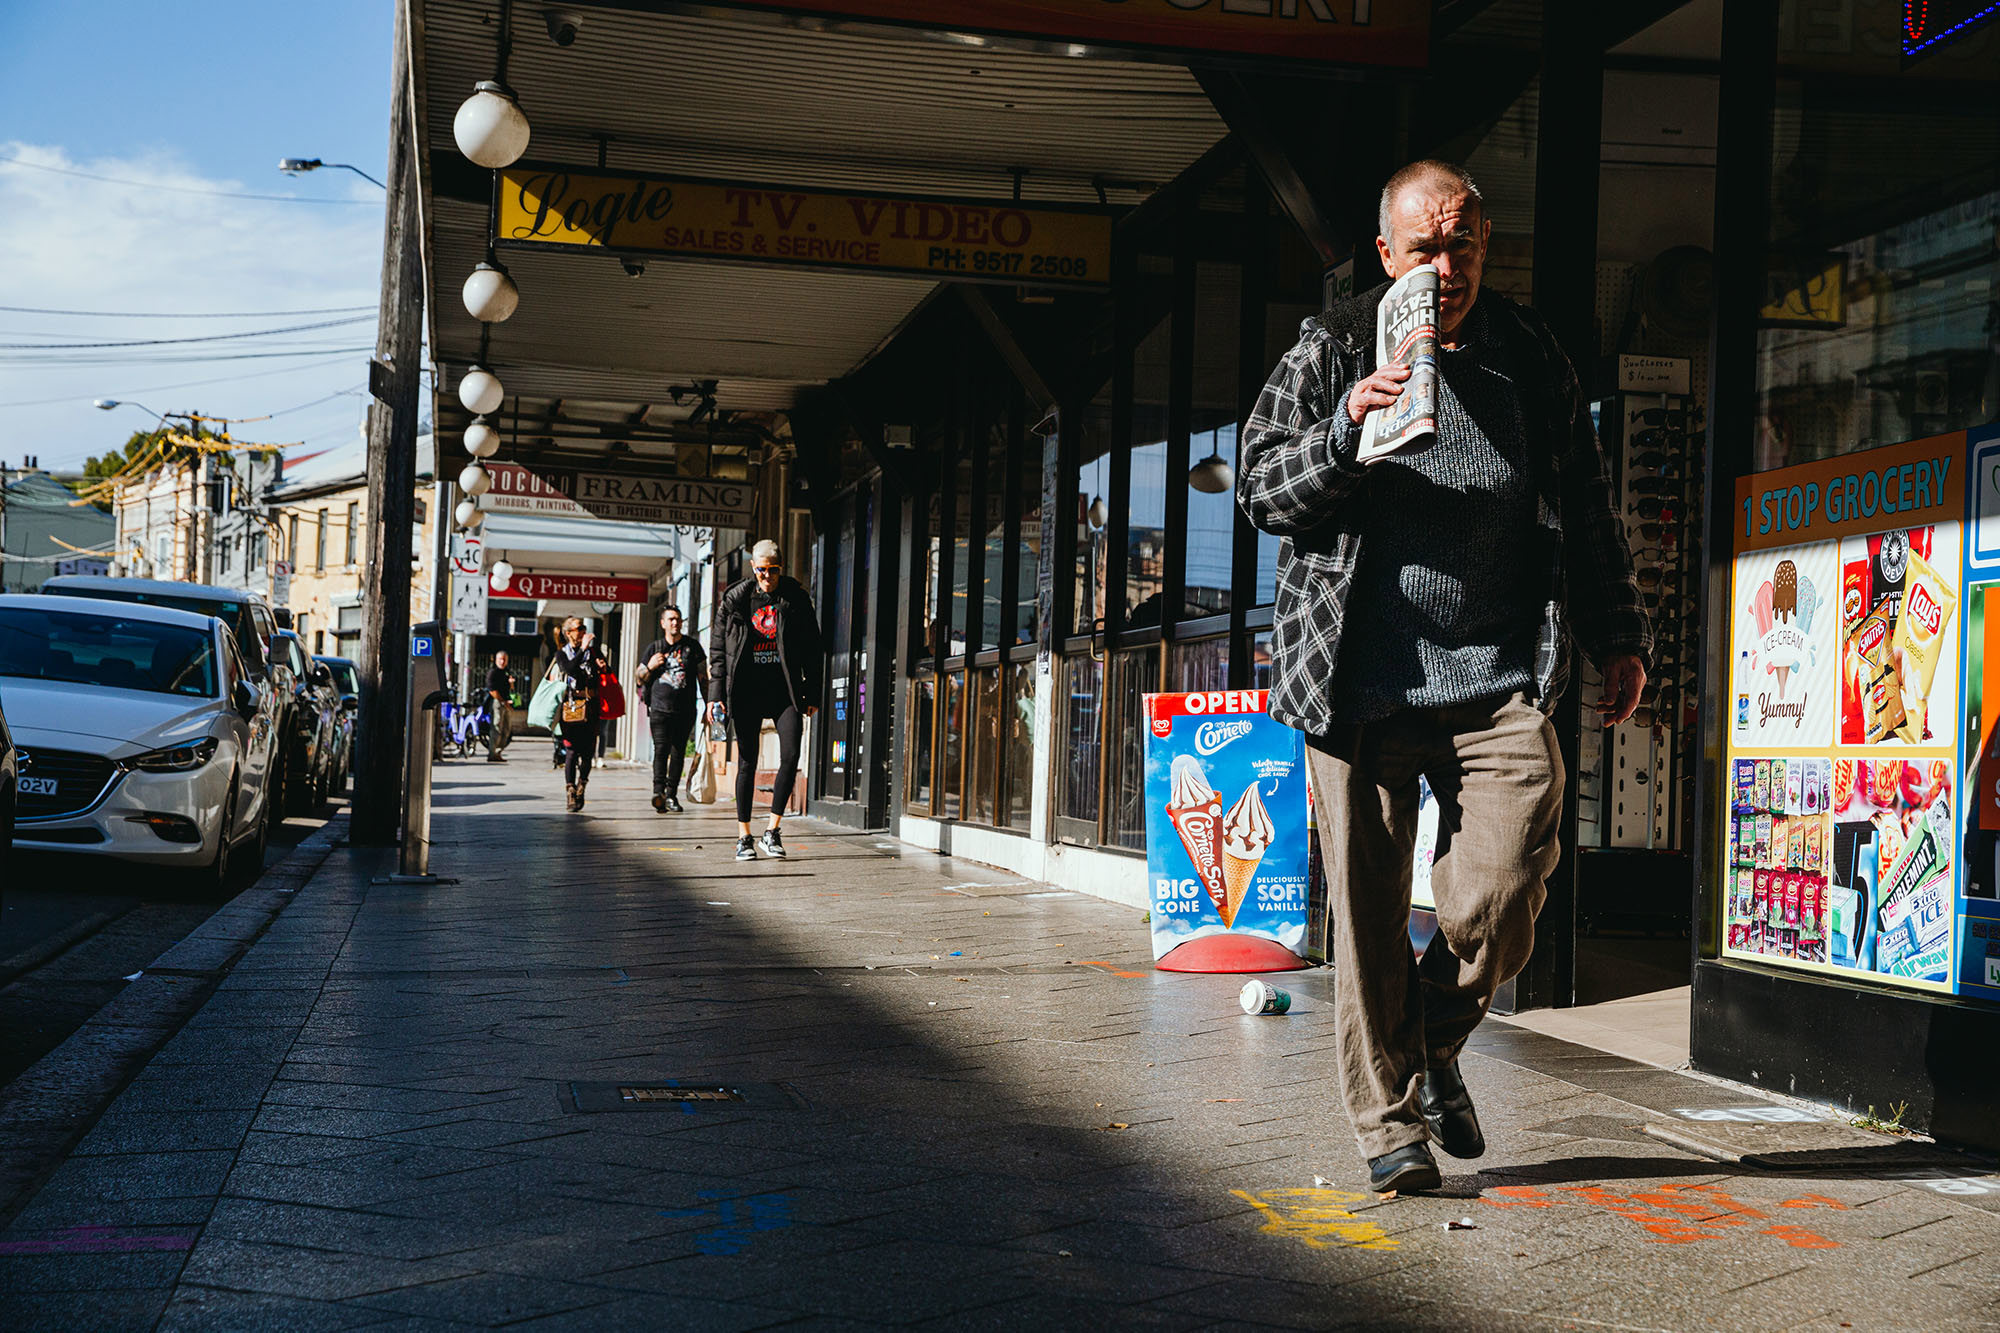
672	670
583	666
769	663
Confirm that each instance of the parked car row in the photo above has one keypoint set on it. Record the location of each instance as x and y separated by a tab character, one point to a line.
162	723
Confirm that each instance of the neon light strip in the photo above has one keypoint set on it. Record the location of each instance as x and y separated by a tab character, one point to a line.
1970	21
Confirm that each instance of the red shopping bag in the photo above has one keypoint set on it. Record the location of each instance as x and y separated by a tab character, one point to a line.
610	696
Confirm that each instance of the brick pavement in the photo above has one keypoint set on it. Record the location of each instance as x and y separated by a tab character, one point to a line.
969	1102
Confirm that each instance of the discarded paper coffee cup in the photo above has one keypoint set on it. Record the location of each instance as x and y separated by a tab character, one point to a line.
1262	998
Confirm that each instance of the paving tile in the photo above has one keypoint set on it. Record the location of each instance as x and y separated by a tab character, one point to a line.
24	1311
198	1309
491	1299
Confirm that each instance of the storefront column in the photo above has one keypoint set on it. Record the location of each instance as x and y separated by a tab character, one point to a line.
631	637
881	675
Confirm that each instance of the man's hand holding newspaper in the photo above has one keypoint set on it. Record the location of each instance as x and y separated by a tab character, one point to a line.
1396	407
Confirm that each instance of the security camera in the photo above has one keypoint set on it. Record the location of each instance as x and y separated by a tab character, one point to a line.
563	25
633	267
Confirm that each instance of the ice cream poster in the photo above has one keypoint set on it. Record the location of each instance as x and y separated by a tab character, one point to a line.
1227	848
1787	627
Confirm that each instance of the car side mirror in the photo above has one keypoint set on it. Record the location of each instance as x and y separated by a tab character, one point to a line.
245	698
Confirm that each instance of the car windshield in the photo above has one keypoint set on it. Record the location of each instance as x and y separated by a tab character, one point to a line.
108	650
346	677
236	615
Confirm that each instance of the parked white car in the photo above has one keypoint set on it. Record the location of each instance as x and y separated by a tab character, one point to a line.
140	734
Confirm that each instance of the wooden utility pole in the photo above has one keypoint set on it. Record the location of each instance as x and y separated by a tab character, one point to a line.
392	477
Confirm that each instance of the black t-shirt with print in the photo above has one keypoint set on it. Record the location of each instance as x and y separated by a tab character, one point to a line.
764	673
671	687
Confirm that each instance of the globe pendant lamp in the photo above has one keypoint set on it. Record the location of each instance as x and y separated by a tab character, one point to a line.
480	391
468	514
489	126
1212	475
490	295
474	480
481	440
503	576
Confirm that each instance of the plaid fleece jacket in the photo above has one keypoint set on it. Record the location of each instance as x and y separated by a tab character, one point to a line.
1297	478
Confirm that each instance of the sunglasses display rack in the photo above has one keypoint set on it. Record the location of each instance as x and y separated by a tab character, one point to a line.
1635	780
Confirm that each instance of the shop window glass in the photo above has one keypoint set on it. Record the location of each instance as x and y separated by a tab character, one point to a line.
1133	672
1211	527
1260	662
1018	729
1878	318
951	747
1079	732
983	758
1202	665
917	775
993	527
1146	540
1093	508
1028	553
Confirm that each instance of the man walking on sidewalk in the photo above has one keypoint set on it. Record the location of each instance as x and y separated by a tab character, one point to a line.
672	670
1426	604
500	689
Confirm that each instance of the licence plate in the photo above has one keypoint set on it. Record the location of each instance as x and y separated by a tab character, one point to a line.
37	786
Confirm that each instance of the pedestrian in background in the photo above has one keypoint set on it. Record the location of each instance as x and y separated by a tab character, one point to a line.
769	664
1426	603
672	671
500	689
583	667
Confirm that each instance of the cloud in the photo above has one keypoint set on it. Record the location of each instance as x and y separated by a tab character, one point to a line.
170	242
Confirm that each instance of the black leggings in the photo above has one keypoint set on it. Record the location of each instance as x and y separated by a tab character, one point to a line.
582	738
747	717
670	739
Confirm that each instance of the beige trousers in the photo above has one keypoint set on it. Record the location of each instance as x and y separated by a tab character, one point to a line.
1498	778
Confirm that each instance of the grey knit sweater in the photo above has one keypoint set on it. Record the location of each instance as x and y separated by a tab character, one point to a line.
1444	610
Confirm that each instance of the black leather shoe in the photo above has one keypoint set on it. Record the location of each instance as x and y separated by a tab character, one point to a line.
1447	1109
1406	1171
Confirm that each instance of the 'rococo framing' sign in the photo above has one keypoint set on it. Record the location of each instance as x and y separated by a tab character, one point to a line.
968	240
576	493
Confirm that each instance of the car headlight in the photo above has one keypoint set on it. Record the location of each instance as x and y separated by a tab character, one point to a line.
175	758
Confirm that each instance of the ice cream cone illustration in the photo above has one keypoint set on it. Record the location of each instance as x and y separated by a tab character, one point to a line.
1246	836
1195	809
1784	673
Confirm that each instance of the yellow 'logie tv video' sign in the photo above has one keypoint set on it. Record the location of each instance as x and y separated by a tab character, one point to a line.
965	240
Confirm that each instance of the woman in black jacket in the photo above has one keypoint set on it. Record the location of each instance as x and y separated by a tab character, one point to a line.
767	662
581	662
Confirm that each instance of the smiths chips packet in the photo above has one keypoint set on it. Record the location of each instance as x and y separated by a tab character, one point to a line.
1928	603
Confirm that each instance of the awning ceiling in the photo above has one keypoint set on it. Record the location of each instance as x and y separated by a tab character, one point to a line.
741	98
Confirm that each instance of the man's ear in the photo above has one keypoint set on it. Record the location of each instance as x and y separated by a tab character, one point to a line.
1388	256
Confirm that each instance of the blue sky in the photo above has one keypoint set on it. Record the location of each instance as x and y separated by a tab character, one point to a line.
192	100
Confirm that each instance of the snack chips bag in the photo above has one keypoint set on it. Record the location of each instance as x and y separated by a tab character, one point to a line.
1794	886
1811	860
1763	842
1760	902
1928	603
1760	791
1780	784
1795	842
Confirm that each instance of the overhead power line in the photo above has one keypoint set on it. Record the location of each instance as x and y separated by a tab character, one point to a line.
200	338
177	359
182	189
185	384
178	314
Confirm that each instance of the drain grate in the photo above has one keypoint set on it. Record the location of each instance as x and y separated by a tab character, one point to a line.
689	1096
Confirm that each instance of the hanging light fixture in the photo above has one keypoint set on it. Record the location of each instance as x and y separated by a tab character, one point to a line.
480	391
503	576
481	440
468	514
1212	475
490	294
474	480
489	127
1098	514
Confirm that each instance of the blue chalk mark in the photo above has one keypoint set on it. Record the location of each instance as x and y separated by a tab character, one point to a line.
739	1219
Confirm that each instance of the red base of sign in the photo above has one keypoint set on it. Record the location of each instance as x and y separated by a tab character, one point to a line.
1231	953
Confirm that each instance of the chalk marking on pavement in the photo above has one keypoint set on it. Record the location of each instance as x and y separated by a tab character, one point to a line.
1112	968
1316	1217
1676	1214
95	1240
740	1218
1750	1115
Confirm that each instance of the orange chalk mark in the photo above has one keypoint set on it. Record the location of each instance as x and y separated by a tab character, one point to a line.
1801	1239
1112	968
1814	1201
1518	1196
